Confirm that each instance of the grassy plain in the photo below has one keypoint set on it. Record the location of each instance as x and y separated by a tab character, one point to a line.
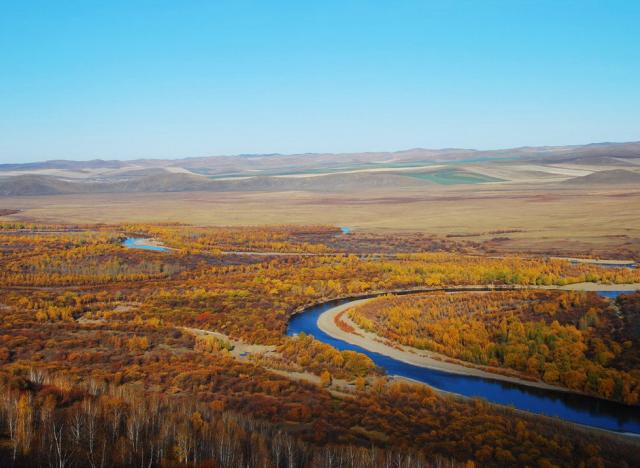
453	177
510	217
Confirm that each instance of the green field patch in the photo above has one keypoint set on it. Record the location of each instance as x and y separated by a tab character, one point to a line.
453	177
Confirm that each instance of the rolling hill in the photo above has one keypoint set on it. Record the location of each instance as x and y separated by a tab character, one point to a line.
612	177
601	163
33	185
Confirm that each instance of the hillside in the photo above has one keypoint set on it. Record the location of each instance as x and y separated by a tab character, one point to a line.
615	176
32	185
279	164
602	163
35	185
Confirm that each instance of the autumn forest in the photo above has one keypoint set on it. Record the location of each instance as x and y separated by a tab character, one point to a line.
116	356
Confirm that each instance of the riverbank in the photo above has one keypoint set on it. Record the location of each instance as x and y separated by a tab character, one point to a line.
597	431
409	355
594	287
429	360
595	261
146	244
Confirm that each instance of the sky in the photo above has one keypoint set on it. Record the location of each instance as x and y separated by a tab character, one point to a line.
171	79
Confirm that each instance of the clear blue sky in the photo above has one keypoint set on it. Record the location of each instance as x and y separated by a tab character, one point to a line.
134	78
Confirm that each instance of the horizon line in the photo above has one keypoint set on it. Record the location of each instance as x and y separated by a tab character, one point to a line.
316	153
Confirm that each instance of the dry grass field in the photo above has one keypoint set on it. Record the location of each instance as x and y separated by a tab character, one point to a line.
518	217
576	200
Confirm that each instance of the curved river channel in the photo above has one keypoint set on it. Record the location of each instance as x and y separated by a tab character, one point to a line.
571	407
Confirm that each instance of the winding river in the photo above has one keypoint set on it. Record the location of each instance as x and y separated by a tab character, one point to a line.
580	409
571	407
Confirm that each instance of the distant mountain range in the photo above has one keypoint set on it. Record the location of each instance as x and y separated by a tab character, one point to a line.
599	163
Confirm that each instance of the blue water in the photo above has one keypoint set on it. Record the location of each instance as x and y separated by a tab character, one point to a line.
613	294
575	408
133	243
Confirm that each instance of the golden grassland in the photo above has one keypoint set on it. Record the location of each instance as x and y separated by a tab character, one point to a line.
535	217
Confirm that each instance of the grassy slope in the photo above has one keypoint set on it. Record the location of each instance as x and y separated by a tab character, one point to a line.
453	177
